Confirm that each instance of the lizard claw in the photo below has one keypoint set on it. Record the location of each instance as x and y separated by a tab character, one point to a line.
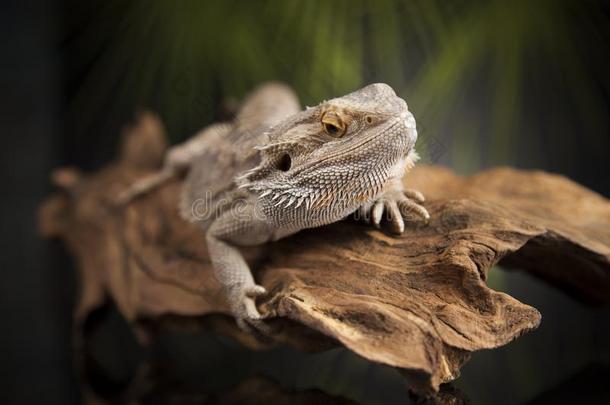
398	206
246	314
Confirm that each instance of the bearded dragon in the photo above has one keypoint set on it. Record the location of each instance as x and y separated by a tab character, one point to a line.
277	170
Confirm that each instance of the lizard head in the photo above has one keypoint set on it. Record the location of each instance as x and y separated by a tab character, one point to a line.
347	147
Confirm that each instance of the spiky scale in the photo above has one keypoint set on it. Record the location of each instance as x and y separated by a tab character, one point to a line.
292	199
284	198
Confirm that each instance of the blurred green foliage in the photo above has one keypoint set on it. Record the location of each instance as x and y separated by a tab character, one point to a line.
467	68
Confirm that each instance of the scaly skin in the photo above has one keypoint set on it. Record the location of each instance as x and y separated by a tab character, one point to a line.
277	170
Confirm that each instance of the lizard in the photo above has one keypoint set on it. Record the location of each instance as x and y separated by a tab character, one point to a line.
277	169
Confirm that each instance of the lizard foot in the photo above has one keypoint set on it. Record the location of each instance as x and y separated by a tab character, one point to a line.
243	307
177	160
143	186
398	206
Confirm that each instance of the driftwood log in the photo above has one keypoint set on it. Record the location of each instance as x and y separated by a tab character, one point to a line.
418	302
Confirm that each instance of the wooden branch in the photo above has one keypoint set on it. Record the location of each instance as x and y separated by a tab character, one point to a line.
418	302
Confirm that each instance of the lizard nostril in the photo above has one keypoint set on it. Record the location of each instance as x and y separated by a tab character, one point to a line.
284	163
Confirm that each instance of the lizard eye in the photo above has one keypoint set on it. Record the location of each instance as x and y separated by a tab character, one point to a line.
333	124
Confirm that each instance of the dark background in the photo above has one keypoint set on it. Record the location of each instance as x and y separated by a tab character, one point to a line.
491	83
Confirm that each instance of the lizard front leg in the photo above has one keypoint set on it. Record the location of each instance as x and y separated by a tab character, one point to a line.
398	204
223	238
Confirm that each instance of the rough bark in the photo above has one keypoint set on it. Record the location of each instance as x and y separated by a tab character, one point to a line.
418	302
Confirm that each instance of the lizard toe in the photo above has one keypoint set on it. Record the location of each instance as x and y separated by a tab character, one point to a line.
255	291
249	309
364	213
414	195
396	220
409	207
377	213
250	320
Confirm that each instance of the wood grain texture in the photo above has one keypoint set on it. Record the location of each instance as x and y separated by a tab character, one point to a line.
418	302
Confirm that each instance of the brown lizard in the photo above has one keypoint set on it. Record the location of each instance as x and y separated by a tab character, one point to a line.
277	170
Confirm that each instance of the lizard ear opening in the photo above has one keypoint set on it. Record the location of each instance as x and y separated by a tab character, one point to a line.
284	163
